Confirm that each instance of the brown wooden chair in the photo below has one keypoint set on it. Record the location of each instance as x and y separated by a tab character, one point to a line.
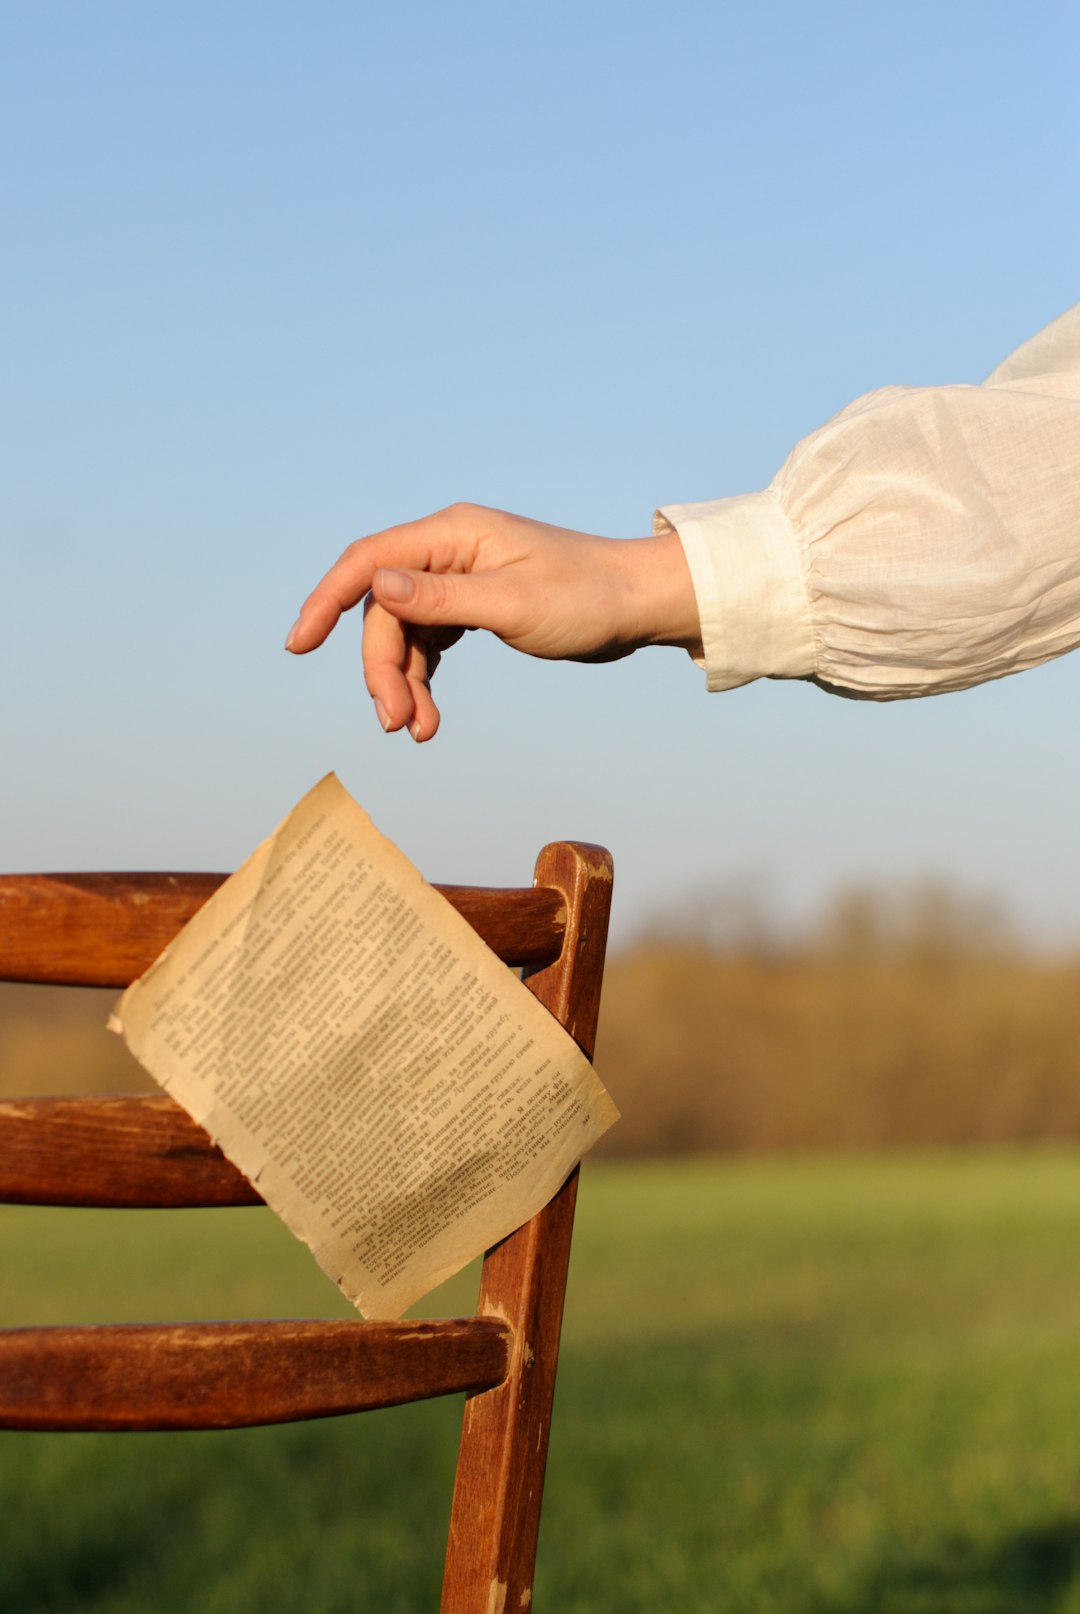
103	930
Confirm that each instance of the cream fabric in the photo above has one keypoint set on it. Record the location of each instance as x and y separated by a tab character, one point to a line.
925	539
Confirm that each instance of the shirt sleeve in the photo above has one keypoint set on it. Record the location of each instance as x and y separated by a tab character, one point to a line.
924	540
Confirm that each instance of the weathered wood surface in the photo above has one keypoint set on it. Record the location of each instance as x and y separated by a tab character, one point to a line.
112	1152
495	1519
106	929
232	1375
93	929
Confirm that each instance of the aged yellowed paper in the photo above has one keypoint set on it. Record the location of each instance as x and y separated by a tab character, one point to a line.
400	1099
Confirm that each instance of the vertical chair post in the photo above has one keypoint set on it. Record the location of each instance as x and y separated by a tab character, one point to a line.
495	1516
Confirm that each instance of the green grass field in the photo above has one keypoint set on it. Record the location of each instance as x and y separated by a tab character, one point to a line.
832	1384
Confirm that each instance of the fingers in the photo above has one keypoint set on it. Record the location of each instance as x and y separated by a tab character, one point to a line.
418	670
345	585
444	541
409	618
446	599
422	588
397	667
390	668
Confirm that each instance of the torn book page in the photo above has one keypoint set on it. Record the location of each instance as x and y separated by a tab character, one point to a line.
399	1098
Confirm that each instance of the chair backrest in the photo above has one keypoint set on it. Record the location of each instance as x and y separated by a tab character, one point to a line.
104	930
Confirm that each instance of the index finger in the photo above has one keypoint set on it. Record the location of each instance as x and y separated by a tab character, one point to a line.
425	545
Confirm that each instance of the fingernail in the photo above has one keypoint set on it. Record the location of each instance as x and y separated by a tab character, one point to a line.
415	731
292	634
382	714
396	586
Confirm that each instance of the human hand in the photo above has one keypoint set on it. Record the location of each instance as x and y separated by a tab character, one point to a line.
543	590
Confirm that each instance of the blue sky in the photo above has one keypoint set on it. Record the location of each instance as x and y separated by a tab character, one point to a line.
275	276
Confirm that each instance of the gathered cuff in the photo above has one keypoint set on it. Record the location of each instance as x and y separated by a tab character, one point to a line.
751	596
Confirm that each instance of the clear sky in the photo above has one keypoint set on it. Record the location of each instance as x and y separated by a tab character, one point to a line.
272	276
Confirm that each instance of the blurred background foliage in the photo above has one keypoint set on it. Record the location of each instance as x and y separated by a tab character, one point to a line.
906	1016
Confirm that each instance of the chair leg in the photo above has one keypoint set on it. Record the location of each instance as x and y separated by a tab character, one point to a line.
495	1517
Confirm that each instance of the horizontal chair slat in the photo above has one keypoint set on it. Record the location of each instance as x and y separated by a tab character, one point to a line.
112	1153
93	929
155	1376
106	929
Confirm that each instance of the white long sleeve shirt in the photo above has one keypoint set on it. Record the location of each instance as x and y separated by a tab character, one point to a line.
925	539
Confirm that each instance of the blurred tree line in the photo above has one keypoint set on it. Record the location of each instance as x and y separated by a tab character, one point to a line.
904	1017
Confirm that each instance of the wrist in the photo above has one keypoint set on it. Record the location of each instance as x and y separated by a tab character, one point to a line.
664	602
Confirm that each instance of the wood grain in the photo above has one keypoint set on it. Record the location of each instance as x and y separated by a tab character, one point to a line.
495	1518
112	1152
232	1375
106	929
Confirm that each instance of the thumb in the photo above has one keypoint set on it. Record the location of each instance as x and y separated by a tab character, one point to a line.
442	599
